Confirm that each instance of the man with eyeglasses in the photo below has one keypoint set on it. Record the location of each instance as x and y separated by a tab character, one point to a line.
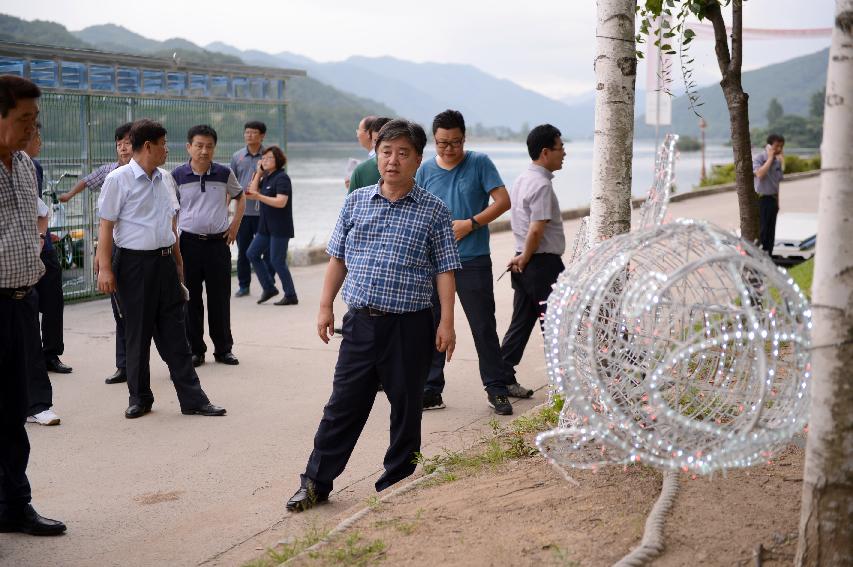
93	182
465	181
537	226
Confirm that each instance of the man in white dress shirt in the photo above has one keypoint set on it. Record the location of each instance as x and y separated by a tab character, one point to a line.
137	208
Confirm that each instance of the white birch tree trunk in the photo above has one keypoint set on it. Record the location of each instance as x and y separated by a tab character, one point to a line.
613	145
826	518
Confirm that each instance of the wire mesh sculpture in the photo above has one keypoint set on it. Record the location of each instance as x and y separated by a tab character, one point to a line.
679	346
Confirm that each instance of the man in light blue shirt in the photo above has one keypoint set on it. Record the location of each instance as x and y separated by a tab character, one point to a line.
465	181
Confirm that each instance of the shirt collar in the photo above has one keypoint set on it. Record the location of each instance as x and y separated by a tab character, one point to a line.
371	153
536	168
260	151
139	172
416	193
190	165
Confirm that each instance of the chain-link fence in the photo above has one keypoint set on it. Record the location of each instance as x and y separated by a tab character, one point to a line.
78	136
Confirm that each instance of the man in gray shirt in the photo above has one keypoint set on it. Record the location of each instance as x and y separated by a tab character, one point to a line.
244	162
768	167
539	239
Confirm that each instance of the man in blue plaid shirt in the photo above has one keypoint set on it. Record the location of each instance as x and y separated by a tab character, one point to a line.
391	240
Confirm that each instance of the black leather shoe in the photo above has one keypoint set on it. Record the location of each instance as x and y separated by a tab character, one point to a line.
306	497
28	521
242	292
55	365
207	409
287	301
137	410
226	358
267	293
198	360
119	376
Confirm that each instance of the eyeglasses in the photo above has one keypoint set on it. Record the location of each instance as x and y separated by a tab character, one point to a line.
444	144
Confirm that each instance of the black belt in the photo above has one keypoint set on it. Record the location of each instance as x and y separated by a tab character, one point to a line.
15	292
371	312
167	251
217	236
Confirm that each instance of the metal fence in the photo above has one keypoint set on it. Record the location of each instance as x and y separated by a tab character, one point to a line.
78	136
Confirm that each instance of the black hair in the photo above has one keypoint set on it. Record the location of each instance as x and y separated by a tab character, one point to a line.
368	122
449	119
403	129
12	89
123	130
255	125
145	130
773	138
541	137
201	130
278	154
377	124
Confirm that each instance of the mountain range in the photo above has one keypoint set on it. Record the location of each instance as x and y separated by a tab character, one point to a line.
329	102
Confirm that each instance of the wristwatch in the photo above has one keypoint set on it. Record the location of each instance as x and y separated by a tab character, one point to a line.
474	224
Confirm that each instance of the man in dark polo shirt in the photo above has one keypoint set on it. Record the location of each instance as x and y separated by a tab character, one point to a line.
367	172
137	208
20	269
244	162
205	189
391	241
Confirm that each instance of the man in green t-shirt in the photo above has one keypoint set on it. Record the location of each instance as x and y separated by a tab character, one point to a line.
367	172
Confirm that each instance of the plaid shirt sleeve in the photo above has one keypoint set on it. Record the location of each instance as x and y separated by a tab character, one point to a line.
443	252
337	242
97	177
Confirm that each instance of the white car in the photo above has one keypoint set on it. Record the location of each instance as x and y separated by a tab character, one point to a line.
796	234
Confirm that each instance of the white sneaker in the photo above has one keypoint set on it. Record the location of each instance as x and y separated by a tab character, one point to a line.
47	417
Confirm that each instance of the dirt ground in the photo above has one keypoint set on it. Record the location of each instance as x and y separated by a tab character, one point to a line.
522	512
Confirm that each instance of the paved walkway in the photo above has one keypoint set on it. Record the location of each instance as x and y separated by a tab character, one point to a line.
169	489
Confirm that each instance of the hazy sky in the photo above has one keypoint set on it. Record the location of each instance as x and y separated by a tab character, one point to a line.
545	46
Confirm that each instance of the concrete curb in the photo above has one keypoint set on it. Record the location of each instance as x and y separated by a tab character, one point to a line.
317	254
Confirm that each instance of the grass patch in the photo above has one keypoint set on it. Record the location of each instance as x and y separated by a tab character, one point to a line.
803	275
353	552
284	551
505	443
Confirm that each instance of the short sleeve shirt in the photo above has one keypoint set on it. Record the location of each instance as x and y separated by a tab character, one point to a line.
141	207
365	174
204	198
465	190
393	249
20	246
277	221
770	184
533	199
243	164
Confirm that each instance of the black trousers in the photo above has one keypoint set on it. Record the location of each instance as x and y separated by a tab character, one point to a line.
150	298
51	304
532	288
475	288
768	208
20	348
394	350
208	262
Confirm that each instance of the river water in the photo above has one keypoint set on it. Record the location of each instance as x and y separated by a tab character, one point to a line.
317	171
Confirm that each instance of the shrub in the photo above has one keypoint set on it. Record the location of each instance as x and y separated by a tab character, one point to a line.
688	144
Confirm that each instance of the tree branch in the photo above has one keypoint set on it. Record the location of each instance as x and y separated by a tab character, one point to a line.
737	37
721	43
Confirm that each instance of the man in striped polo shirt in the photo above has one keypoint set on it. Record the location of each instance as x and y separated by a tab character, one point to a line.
205	190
